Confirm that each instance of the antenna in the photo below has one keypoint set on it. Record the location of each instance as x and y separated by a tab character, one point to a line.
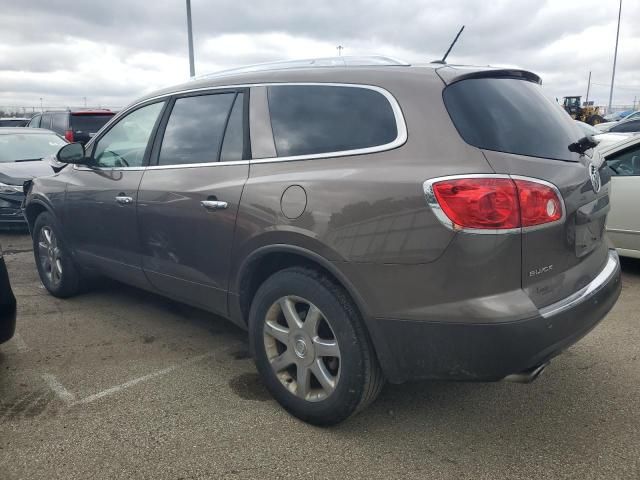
444	59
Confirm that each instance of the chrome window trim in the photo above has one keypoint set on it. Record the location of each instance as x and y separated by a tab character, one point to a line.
166	167
586	292
194	165
447	222
400	139
83	168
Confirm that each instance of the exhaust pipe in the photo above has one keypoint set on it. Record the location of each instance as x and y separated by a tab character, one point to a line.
526	376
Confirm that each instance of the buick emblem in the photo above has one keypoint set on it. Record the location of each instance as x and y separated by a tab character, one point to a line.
594	175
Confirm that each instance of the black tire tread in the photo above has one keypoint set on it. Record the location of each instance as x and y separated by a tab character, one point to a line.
72	279
373	376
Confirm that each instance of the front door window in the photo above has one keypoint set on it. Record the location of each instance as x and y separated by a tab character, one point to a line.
125	144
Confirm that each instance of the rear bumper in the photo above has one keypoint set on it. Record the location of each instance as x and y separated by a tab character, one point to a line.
491	351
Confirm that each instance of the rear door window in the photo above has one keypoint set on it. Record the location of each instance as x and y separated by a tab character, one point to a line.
89	123
233	144
512	116
195	129
317	119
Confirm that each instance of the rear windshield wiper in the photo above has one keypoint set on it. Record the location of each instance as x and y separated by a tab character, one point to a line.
29	160
582	145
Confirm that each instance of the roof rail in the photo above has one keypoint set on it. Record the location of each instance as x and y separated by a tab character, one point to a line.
341	61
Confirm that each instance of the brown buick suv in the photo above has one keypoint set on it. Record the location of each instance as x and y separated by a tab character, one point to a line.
364	219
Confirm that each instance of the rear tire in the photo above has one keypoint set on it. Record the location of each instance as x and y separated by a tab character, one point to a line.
311	348
56	268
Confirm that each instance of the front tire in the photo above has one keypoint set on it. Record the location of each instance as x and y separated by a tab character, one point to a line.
595	119
311	348
55	266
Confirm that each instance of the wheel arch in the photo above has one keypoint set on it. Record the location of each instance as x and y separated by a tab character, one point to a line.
267	260
33	209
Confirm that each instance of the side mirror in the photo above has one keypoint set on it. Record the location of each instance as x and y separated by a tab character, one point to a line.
71	153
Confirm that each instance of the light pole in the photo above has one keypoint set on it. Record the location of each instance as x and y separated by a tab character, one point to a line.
339	48
41	109
615	57
192	68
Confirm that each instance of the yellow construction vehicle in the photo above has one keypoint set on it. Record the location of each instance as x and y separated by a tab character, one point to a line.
586	112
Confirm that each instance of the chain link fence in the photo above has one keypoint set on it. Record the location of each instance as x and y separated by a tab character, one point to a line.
30	111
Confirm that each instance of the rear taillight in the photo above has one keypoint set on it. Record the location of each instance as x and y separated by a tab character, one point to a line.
496	202
68	135
539	203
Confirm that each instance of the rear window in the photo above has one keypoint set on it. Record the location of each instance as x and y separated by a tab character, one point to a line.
315	119
512	116
89	123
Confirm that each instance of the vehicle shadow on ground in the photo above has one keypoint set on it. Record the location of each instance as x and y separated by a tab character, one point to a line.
560	398
576	399
630	265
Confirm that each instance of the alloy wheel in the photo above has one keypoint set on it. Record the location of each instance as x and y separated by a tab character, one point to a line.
302	348
50	255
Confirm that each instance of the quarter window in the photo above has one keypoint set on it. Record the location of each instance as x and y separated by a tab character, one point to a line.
317	119
195	129
125	144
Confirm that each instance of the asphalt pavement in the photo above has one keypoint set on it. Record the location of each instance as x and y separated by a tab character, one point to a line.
120	383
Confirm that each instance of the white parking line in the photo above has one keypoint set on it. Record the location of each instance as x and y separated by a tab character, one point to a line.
63	394
68	398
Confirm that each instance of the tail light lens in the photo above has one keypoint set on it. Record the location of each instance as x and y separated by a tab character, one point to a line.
68	135
539	203
493	203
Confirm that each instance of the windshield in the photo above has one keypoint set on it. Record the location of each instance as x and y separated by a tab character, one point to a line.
513	116
28	146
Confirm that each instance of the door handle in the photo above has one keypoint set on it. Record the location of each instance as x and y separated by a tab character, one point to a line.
212	205
124	200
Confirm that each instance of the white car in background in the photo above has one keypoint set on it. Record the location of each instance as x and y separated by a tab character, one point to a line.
623	222
606	126
604	139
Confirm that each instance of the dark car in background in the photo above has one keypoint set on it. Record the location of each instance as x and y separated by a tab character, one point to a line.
13	122
7	304
22	151
365	221
74	125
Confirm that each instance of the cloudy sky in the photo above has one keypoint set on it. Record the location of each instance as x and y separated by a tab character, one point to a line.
113	51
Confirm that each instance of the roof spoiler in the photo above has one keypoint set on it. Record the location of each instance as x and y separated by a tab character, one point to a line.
451	74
